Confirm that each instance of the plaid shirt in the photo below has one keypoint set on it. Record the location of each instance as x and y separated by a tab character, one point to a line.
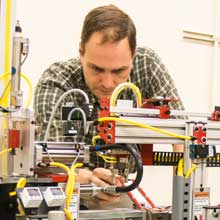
148	74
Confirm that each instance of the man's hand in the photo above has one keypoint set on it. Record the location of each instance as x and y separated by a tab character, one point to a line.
101	177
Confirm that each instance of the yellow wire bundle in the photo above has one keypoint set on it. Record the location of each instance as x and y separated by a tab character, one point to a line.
122	87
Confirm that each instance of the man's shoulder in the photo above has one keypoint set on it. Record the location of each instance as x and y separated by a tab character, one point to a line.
145	52
62	67
63	72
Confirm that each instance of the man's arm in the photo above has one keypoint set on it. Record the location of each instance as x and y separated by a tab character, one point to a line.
162	84
44	101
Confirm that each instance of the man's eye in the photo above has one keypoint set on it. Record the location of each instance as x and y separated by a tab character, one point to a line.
117	71
97	70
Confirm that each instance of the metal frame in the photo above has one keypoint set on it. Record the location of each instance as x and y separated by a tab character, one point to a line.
125	133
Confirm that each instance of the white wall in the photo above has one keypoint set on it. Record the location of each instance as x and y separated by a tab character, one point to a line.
54	30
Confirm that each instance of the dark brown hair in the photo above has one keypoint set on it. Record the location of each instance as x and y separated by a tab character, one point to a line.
112	22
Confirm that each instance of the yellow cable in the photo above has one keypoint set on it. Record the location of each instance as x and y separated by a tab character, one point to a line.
69	188
107	159
122	87
30	89
68	214
190	171
95	138
71	179
144	126
5	151
29	86
20	184
180	168
60	165
71	183
6	69
5	95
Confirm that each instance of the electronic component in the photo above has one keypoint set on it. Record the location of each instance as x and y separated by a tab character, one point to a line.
54	196
31	197
69	128
87	108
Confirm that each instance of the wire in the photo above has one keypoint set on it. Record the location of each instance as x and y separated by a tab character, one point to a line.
7	110
60	165
190	171
20	184
71	183
107	159
95	138
138	163
122	87
25	58
30	89
68	214
71	179
48	154
7	56
144	126
5	94
180	168
5	151
56	106
86	128
76	158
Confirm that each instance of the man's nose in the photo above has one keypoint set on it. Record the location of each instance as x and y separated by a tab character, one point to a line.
108	81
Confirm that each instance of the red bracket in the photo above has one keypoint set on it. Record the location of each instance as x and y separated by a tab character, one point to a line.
104	107
199	131
161	104
215	116
106	130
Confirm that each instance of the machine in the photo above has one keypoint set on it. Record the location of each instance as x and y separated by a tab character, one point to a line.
32	187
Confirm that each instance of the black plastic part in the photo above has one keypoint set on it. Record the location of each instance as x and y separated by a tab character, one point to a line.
87	108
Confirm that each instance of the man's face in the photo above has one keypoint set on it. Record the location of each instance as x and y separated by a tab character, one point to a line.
105	65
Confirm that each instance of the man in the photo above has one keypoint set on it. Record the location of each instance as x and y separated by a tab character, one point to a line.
108	56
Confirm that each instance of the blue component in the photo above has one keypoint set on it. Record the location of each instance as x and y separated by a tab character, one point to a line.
192	151
97	148
13	70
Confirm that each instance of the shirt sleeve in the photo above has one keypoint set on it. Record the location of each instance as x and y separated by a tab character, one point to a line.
45	98
161	83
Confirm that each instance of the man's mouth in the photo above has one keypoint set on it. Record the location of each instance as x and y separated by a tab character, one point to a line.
106	91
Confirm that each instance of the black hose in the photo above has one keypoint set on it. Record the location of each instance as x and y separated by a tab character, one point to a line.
138	163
